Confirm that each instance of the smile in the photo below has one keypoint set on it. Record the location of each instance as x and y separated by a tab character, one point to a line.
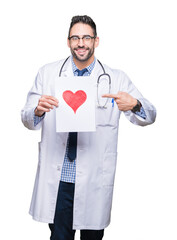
81	51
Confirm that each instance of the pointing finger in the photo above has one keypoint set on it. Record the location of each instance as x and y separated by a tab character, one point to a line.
110	96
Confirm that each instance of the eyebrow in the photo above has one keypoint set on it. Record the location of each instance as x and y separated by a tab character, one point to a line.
81	35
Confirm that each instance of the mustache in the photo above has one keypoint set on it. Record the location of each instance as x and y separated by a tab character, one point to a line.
86	48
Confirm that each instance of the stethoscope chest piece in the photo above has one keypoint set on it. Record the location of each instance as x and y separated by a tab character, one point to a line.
103	87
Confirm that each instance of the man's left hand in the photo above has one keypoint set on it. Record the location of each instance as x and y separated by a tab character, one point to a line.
124	100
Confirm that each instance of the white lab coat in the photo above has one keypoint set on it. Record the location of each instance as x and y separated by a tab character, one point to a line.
96	151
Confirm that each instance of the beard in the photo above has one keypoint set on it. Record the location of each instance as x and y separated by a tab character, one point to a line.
80	58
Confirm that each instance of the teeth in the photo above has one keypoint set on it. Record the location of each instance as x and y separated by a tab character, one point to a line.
81	51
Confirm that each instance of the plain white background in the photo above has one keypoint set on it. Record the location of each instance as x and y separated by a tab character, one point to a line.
138	37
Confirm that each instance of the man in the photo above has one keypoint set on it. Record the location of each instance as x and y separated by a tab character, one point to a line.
75	175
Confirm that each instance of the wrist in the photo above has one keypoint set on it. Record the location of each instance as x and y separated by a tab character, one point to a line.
134	102
137	106
38	113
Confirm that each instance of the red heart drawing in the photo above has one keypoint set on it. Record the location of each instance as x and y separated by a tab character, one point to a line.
74	100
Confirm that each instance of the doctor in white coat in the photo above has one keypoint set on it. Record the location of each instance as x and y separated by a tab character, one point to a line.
95	163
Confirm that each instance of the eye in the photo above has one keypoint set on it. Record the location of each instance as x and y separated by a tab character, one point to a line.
75	38
87	38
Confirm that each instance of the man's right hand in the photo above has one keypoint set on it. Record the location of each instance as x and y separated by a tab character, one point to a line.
45	104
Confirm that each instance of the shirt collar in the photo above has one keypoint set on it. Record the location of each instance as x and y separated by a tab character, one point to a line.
89	68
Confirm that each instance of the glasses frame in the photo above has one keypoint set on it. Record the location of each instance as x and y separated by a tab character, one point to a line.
79	38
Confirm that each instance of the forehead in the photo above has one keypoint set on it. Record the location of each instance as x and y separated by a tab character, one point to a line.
81	29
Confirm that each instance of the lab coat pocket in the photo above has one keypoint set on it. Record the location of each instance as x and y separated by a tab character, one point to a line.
107	116
109	168
39	154
37	182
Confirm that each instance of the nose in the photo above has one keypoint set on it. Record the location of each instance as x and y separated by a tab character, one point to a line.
81	42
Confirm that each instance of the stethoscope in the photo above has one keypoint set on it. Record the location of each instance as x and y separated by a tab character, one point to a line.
104	74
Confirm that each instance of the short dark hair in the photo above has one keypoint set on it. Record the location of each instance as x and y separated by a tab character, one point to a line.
83	19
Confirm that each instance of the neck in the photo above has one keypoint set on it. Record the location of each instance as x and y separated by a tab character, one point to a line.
81	65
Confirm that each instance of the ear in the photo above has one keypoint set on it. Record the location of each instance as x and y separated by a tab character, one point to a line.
97	40
68	43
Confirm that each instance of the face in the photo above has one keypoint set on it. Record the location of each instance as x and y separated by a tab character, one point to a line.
82	51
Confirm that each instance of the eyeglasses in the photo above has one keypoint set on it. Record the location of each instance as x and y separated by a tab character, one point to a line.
85	38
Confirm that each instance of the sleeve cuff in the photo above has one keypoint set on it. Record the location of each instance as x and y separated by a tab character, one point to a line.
141	113
38	119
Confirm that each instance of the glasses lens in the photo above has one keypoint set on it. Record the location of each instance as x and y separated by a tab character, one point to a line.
74	38
87	38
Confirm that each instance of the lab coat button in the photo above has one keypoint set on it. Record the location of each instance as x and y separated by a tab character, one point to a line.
58	168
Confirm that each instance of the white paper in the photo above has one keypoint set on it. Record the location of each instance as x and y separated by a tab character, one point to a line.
81	119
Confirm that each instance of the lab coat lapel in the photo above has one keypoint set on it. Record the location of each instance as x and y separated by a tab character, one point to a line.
67	69
97	70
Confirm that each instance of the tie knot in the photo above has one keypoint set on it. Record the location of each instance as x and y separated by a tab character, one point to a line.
81	72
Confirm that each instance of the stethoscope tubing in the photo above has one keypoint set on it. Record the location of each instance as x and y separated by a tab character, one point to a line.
98	80
61	69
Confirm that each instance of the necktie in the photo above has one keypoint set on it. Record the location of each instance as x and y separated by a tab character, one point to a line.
72	144
81	72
